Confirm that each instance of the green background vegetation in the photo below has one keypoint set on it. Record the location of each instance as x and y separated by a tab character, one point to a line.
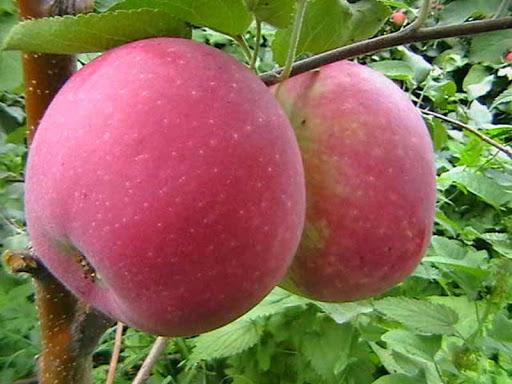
450	322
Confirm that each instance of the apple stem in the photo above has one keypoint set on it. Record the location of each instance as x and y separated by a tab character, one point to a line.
257	43
153	356
294	39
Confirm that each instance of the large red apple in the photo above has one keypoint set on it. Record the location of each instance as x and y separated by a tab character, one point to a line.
165	187
370	182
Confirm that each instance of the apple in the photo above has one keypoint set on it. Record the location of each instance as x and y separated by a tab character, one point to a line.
165	187
399	18
508	57
370	182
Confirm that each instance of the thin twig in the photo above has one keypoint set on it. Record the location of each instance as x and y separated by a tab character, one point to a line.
257	43
504	6
118	341
294	39
472	130
405	36
156	350
422	16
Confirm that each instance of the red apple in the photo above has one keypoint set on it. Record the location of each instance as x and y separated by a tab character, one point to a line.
370	182
508	57
165	187
399	18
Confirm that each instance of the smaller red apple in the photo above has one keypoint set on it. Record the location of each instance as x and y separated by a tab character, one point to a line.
508	57
399	18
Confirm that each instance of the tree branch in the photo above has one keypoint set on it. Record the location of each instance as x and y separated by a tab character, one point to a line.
470	129
118	341
156	350
405	36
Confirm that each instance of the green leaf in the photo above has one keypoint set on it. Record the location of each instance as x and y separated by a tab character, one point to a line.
227	16
478	81
344	312
482	186
278	13
478	114
329	24
227	341
11	75
490	47
394	69
244	332
417	346
419	315
466	310
503	98
92	32
444	247
460	10
397	378
328	351
501	242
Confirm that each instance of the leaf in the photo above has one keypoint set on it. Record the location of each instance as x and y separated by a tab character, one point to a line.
503	98
11	75
447	248
227	341
490	47
227	16
466	310
417	346
460	10
501	242
420	315
478	114
344	312
482	186
478	81
397	378
394	69
420	66
244	332
328	351
278	13
329	24
92	32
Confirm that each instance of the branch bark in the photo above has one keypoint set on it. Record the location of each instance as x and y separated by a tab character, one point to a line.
405	36
153	356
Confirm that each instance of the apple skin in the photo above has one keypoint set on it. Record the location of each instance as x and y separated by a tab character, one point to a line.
370	182
399	18
165	187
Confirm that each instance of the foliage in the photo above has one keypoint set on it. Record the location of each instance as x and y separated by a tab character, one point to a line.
450	322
